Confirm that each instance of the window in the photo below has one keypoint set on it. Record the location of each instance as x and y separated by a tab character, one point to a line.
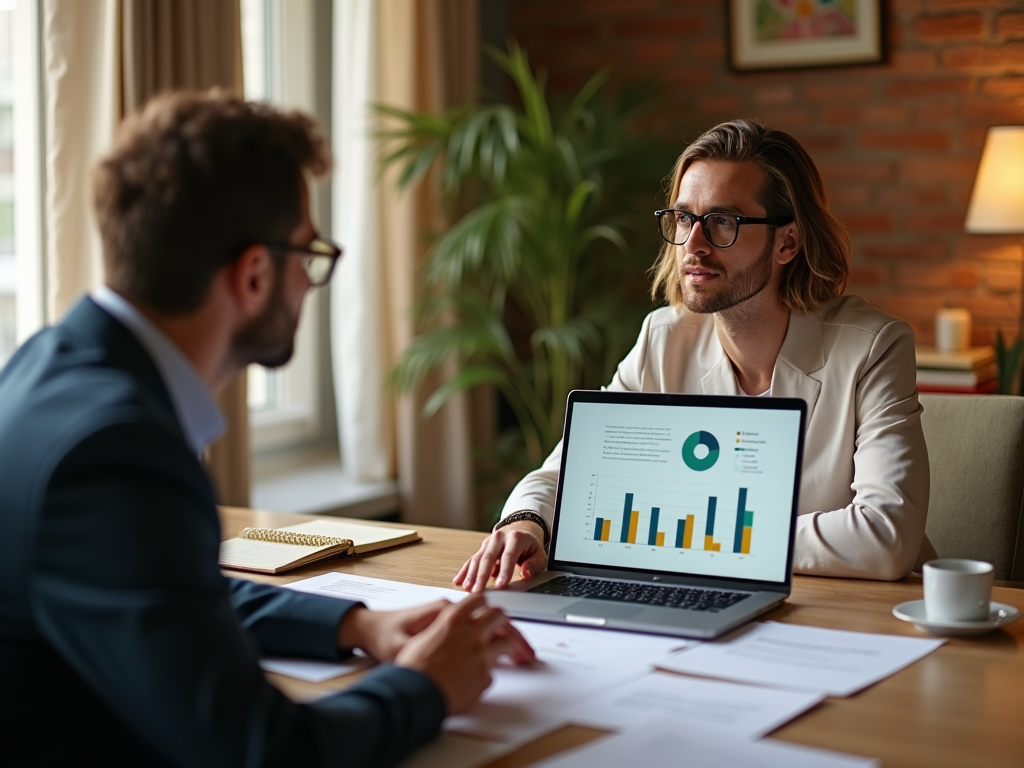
290	408
296	468
21	243
8	279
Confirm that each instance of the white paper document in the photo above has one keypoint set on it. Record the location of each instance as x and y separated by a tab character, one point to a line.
315	671
832	661
663	743
572	664
378	594
522	702
744	711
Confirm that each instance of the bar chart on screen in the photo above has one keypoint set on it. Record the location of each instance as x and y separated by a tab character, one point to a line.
706	491
672	515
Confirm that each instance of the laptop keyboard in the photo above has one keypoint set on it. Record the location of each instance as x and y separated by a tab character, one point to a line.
686	598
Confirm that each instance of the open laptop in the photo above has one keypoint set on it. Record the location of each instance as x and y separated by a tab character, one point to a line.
675	514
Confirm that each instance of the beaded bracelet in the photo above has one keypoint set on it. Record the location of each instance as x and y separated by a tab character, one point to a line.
526	514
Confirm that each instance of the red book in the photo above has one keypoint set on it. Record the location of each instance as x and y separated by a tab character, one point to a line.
983	388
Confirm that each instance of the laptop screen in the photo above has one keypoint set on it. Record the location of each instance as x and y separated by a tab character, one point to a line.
679	484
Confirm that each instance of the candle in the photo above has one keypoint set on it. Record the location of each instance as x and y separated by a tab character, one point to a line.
952	330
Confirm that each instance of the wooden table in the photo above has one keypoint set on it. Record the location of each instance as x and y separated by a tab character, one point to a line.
962	705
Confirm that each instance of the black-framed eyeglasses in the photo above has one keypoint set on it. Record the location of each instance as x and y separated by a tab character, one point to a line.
318	258
721	229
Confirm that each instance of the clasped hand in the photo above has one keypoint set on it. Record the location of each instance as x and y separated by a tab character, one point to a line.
454	644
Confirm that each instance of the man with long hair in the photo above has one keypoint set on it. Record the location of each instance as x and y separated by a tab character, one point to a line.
753	267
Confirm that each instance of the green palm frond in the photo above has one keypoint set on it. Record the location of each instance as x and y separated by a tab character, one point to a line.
414	141
579	197
469	377
578	107
604	232
536	117
481	143
571	339
485	241
432	349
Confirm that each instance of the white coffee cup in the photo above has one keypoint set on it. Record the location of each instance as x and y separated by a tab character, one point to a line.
957	589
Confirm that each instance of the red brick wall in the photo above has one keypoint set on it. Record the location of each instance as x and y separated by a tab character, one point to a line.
898	143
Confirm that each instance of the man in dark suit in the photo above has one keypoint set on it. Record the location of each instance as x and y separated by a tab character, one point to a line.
120	641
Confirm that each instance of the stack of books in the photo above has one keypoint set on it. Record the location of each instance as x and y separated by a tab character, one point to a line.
968	371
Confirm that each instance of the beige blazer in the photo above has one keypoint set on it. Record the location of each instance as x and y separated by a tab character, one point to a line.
864	488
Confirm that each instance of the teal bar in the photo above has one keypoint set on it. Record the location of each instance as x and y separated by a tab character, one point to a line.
626	509
741	512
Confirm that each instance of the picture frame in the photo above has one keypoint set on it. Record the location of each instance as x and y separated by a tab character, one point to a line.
793	34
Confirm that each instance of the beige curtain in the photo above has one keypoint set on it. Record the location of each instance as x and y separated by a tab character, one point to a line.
430	51
171	44
197	44
423	55
103	59
80	71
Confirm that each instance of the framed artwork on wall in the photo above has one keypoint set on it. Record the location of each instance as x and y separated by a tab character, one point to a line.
786	34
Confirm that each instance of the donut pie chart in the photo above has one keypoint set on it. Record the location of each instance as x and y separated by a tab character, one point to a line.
690	451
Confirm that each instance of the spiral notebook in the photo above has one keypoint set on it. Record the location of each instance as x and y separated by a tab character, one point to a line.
275	550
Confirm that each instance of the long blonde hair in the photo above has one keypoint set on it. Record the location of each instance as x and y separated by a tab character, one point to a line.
792	187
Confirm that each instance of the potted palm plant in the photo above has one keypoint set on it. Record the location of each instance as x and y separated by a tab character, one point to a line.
538	287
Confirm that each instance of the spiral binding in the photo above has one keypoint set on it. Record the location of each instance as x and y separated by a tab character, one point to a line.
292	537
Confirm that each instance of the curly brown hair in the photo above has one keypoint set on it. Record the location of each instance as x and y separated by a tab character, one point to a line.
192	179
792	188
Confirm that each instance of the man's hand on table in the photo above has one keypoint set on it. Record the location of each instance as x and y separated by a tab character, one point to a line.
458	650
454	644
382	634
520	543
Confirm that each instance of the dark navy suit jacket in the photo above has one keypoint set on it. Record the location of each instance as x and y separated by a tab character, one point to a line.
121	643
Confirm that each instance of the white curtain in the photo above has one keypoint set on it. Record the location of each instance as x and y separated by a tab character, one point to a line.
81	108
359	318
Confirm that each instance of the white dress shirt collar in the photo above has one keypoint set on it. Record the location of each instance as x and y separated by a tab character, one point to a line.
198	414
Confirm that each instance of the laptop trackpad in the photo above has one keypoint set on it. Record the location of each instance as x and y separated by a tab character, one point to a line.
603	608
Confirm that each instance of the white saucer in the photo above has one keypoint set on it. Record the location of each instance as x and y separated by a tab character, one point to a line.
1000	614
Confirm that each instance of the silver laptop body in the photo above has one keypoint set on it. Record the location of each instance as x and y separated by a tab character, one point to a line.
675	514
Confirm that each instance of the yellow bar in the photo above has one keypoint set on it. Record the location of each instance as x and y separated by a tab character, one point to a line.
606	529
718	546
634	518
688	536
745	545
709	544
659	539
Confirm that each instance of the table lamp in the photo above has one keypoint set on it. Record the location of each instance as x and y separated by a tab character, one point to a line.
997	207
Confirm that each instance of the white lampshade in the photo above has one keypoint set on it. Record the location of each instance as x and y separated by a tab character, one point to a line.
997	202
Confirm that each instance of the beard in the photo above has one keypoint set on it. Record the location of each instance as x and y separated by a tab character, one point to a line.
746	283
269	339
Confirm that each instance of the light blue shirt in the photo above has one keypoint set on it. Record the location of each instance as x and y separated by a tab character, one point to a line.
197	411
